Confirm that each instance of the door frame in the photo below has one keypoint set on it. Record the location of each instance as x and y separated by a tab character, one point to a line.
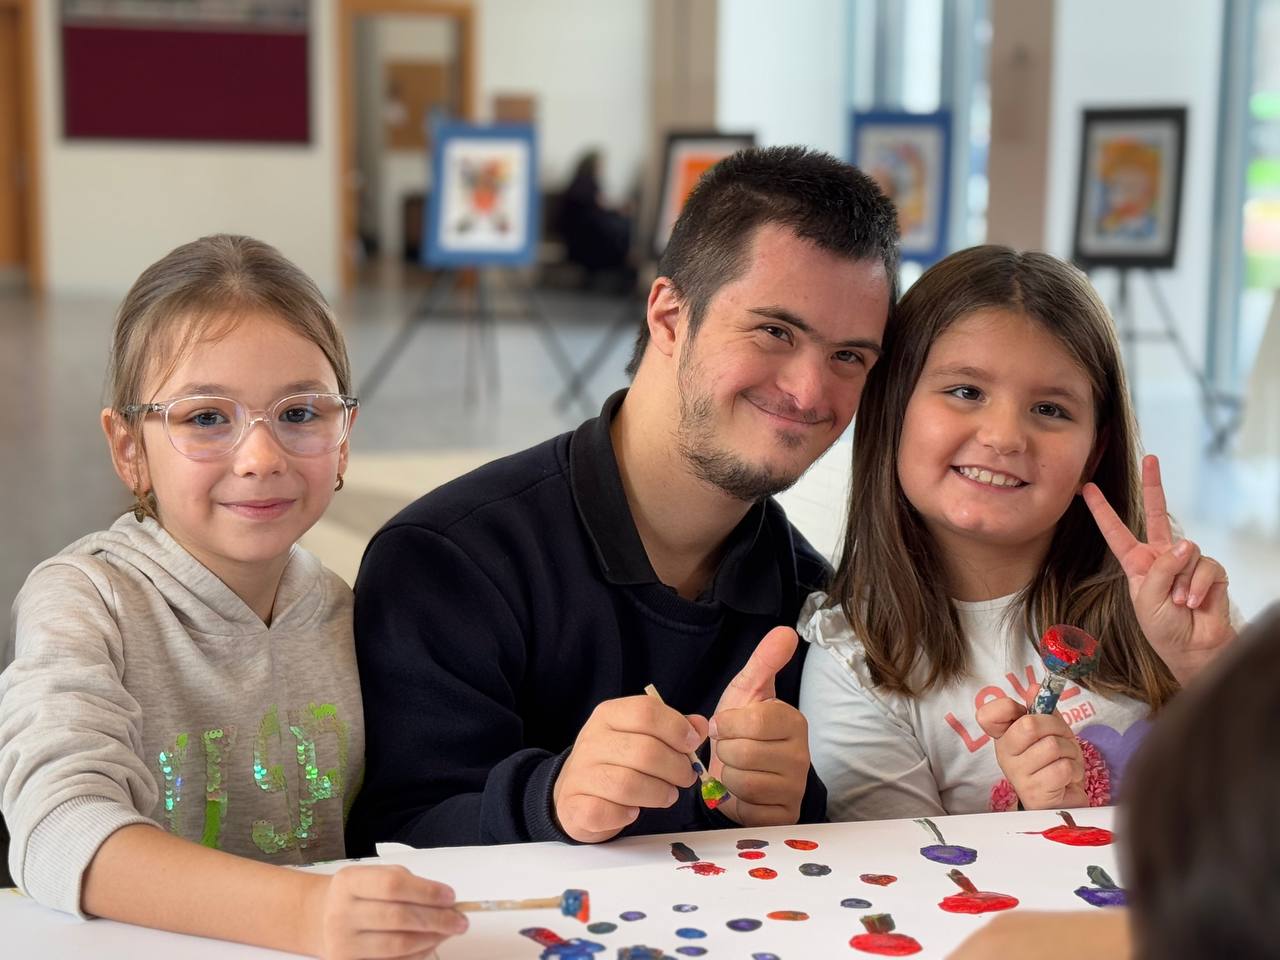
463	17
28	123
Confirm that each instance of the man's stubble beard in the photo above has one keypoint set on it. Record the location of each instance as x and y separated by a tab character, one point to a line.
707	460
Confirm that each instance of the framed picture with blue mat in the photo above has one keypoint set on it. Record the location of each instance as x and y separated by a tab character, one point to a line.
483	207
909	156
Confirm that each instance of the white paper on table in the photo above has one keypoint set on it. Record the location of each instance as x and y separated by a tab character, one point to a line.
639	874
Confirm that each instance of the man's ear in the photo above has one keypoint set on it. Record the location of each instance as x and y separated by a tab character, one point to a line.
663	315
128	455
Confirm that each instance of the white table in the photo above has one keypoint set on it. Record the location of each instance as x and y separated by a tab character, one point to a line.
640	874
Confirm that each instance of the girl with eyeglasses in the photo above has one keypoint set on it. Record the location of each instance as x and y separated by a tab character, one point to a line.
183	713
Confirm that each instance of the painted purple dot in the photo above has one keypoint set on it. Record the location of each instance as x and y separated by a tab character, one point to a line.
949	853
631	915
764	956
604	926
691	933
855	903
1097	897
743	924
684	907
814	869
691	951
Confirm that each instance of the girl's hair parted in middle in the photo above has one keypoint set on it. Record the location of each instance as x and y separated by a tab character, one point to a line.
890	581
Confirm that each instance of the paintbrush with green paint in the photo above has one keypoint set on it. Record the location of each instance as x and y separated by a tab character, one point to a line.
713	791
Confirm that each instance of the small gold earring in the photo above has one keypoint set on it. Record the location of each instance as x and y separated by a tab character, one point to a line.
339	486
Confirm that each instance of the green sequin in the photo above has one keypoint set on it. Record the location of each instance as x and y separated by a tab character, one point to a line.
172	764
217	743
315	785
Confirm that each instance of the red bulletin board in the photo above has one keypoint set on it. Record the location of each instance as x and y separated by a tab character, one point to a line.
159	83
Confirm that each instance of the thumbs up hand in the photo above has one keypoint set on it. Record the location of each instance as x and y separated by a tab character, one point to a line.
760	745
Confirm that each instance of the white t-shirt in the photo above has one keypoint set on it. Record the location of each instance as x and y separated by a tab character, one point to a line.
886	756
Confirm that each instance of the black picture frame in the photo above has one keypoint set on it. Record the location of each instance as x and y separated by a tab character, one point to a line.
687	153
1129	192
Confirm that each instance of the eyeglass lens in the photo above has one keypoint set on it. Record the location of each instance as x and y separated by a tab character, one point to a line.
307	424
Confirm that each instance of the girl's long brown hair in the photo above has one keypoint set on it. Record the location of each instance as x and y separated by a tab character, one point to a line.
891	583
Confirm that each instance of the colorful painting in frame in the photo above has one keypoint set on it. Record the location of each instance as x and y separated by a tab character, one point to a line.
688	156
909	156
1130	191
483	208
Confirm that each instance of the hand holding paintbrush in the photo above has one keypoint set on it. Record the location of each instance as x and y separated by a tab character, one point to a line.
713	791
1035	747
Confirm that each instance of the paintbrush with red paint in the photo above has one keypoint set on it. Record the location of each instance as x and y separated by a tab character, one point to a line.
571	903
713	791
1068	654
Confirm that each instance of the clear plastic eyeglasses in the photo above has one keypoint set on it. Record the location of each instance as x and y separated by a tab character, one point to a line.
206	428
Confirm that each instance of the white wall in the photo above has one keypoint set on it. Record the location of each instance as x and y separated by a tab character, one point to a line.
587	63
1135	53
113	207
782	71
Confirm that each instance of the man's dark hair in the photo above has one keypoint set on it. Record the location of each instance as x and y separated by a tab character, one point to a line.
821	199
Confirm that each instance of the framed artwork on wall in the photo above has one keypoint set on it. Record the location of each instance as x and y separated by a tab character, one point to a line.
483	207
909	156
1130	187
688	156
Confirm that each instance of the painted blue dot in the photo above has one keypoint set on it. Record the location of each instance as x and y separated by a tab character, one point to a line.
855	903
631	915
691	951
684	908
691	933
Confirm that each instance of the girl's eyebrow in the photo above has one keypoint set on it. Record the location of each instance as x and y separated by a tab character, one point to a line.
222	390
977	373
959	370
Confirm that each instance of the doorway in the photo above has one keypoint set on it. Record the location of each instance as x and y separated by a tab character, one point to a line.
20	264
399	60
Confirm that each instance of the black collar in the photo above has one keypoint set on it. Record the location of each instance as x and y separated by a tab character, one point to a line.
748	578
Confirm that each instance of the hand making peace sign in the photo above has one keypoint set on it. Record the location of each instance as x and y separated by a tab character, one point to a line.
1180	597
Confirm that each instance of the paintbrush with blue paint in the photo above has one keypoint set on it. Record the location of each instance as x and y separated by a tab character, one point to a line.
571	903
713	791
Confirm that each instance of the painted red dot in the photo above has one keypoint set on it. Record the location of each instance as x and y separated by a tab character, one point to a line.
801	844
879	879
886	944
703	869
788	915
762	873
752	855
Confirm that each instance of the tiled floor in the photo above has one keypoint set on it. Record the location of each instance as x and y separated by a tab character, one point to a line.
59	483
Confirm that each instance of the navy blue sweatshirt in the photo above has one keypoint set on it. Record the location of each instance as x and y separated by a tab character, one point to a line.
495	613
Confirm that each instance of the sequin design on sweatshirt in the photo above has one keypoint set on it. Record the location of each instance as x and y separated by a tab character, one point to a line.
174	773
315	784
173	764
217	743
